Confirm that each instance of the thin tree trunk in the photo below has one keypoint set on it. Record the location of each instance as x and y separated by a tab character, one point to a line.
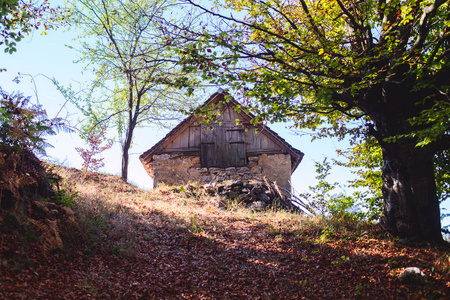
125	149
125	157
411	206
132	121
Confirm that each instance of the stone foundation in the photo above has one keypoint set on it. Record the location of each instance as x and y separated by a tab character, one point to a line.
176	169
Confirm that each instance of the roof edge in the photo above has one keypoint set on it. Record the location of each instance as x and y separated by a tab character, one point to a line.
295	153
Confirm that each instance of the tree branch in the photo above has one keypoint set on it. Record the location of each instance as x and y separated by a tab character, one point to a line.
428	12
356	25
232	19
311	20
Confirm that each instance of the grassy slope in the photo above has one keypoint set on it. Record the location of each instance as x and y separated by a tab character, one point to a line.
128	243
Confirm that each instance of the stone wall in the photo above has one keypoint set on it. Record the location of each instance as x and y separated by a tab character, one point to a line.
175	169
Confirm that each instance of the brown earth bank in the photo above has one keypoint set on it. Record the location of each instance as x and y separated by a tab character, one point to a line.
105	239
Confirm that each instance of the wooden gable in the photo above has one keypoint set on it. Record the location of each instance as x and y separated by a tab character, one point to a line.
187	140
226	143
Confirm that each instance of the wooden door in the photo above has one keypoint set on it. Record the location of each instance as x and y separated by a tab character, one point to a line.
222	146
236	147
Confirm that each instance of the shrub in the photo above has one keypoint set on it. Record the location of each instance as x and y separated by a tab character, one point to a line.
94	138
326	202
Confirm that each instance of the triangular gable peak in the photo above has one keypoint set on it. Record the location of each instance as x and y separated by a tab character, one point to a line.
224	145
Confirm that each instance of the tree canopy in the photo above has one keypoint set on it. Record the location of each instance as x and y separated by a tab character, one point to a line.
370	68
126	45
20	18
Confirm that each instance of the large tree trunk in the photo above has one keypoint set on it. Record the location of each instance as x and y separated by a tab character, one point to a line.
411	206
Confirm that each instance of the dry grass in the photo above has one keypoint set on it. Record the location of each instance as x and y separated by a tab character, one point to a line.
179	243
113	212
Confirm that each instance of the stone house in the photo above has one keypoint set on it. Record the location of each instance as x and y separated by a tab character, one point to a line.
230	149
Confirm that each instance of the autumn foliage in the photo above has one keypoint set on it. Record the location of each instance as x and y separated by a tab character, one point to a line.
22	127
95	138
175	242
19	18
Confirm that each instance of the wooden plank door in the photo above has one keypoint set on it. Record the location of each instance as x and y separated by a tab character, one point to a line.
236	147
222	146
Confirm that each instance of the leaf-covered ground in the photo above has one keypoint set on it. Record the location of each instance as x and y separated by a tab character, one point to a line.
124	243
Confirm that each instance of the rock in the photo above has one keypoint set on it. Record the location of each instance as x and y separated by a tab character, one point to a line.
220	189
256	170
252	164
205	178
210	185
237	189
243	169
237	183
217	178
255	195
210	191
245	198
161	157
263	197
187	161
257	206
257	190
248	186
413	275
194	174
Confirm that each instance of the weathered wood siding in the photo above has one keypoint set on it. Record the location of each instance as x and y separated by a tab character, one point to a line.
187	140
194	137
259	142
223	144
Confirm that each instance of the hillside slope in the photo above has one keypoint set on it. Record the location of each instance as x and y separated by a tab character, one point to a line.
177	243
